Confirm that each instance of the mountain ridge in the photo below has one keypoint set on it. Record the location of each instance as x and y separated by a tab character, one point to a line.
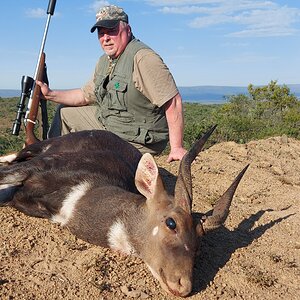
213	94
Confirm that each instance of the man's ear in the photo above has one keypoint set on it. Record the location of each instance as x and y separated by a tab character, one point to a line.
129	30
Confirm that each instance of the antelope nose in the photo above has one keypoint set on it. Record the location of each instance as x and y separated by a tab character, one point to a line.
182	288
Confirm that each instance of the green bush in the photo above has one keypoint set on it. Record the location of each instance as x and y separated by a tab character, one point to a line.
198	119
267	111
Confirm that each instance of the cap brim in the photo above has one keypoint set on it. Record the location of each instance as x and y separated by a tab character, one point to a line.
105	24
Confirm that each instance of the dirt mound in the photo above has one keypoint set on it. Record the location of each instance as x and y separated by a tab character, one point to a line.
255	256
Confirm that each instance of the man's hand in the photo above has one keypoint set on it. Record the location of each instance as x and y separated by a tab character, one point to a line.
45	90
176	154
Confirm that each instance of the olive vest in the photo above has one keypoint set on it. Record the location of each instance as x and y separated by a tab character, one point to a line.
124	110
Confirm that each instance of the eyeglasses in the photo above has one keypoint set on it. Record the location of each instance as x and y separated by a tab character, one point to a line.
108	31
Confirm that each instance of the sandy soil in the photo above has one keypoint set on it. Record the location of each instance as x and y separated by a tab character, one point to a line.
256	255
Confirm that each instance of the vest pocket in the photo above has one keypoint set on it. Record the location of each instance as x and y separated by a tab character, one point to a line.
100	90
116	92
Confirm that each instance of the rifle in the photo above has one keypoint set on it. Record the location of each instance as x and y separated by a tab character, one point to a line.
32	91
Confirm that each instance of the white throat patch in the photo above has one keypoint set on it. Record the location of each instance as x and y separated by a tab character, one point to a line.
118	238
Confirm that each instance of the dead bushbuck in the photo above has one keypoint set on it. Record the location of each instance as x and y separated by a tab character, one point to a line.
108	194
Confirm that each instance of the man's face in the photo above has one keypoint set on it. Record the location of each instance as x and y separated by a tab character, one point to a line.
114	40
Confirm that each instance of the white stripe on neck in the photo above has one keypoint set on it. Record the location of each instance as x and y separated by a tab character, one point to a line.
67	209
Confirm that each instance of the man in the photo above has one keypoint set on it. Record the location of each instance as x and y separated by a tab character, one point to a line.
135	94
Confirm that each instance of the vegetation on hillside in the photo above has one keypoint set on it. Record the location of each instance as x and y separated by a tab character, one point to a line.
267	111
8	111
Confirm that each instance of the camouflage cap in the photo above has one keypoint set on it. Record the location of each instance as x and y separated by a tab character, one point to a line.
109	17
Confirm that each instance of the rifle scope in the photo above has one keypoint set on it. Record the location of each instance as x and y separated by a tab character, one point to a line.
26	86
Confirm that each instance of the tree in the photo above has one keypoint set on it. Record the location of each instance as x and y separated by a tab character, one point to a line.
272	99
266	111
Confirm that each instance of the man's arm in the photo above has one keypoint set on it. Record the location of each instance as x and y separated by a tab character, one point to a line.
174	114
73	97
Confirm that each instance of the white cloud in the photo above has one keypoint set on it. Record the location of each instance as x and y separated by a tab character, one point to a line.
277	21
39	13
96	5
36	13
182	2
255	18
183	9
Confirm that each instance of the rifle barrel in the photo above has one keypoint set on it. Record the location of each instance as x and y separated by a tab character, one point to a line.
51	7
50	11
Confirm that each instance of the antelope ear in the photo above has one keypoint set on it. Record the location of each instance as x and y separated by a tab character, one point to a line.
147	178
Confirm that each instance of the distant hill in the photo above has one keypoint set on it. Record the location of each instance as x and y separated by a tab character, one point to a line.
210	94
9	93
216	94
295	88
202	94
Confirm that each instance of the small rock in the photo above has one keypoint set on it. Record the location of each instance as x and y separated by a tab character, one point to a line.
130	293
284	139
144	295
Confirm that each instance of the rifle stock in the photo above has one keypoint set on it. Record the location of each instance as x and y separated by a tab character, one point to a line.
34	108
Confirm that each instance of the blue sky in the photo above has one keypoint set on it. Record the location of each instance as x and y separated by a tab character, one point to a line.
205	42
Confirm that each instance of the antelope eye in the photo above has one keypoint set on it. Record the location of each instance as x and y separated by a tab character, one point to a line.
170	222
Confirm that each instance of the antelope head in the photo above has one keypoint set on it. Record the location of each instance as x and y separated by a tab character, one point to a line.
168	232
